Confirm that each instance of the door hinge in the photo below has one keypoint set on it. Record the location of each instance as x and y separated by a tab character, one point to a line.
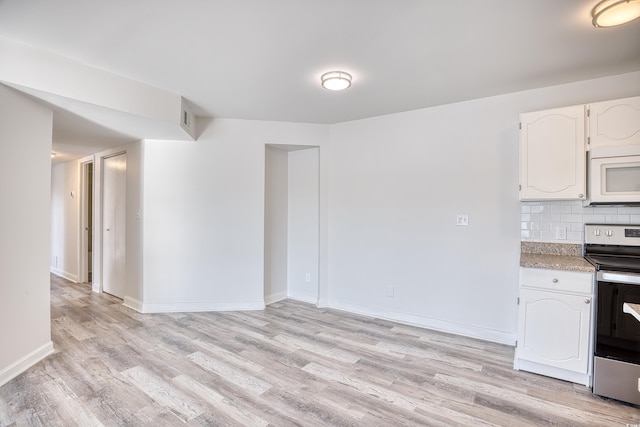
588	112
520	187
516	343
518	300
519	125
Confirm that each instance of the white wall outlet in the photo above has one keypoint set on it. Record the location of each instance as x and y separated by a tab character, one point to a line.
307	277
462	219
561	233
390	291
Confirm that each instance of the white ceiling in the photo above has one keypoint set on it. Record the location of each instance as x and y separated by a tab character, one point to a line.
258	59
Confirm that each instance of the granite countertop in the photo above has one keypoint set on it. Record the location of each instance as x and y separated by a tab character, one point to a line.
554	256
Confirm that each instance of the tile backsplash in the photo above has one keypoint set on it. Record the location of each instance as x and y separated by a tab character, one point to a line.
540	221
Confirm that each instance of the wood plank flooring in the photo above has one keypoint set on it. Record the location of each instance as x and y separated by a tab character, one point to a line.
289	365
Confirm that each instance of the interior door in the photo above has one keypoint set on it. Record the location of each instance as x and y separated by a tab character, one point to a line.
113	222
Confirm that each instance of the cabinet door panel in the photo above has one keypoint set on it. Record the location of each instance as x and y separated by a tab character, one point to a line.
554	329
553	154
615	123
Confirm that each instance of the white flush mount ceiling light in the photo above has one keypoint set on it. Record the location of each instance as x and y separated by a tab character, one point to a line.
611	13
336	80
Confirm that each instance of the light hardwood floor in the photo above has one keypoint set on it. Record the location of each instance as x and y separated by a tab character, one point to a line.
291	364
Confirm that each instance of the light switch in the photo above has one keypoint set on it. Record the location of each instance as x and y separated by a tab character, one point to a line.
462	219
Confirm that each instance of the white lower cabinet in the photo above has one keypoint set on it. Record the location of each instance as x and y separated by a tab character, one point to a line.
555	325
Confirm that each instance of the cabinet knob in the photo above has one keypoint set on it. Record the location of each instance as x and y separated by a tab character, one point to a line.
555	280
581	196
587	301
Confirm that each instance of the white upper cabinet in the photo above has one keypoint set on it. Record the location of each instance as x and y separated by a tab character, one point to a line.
614	123
553	154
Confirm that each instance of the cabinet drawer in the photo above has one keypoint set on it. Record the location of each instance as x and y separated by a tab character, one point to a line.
565	281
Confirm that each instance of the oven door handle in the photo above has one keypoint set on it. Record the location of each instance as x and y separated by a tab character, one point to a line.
630	278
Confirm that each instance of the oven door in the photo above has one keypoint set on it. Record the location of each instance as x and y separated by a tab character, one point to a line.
618	333
615	180
616	365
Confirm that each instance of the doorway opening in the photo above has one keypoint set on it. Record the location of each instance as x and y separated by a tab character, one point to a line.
86	222
292	223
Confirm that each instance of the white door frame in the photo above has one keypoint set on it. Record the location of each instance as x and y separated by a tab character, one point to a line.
83	242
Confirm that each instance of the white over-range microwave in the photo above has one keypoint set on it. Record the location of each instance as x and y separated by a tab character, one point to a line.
614	175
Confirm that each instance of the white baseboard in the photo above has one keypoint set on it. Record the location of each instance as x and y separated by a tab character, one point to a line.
185	307
304	298
64	274
279	296
553	372
133	304
322	303
471	331
96	287
21	365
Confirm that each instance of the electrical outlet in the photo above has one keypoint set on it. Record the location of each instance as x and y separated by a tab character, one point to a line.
561	233
390	291
307	277
462	219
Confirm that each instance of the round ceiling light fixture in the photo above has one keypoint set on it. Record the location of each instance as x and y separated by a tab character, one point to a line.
611	13
336	80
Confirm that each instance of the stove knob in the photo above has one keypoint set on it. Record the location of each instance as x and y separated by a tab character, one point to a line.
596	232
609	233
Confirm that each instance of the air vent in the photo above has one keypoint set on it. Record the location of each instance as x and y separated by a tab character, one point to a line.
187	119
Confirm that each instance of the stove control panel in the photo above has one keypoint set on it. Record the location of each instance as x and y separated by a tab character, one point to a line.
612	234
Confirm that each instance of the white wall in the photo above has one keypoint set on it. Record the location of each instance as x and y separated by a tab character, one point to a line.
64	220
204	214
396	185
135	216
25	174
276	221
303	224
